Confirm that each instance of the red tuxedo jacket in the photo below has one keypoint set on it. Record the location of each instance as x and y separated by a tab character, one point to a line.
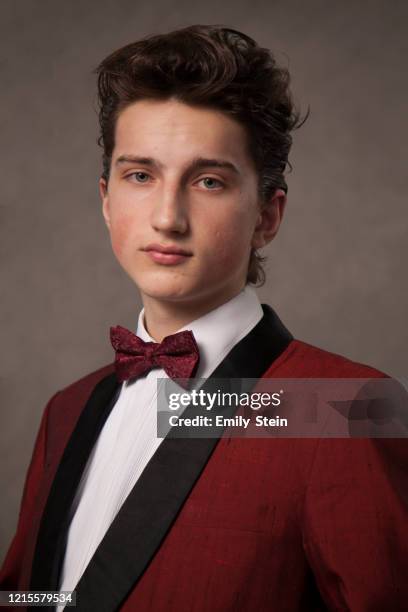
231	524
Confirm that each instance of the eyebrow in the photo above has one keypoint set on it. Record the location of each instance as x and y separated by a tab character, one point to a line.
199	163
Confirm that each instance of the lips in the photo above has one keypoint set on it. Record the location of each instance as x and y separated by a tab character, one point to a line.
173	250
167	254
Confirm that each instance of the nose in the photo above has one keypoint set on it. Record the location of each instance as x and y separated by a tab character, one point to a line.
169	212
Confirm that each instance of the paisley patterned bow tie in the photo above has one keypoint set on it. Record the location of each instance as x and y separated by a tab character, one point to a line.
177	354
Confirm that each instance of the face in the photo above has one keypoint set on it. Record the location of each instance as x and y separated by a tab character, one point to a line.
181	203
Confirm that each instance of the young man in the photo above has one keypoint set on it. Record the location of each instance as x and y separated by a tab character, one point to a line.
196	128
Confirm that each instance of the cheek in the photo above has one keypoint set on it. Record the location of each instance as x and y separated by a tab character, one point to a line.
120	235
230	242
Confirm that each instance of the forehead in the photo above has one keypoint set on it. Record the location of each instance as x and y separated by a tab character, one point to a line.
174	130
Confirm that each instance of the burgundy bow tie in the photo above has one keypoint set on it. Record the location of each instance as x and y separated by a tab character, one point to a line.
177	354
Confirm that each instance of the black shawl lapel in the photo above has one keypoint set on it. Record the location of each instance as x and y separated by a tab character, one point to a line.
154	502
52	533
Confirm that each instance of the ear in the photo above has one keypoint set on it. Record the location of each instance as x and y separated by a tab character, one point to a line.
103	192
269	219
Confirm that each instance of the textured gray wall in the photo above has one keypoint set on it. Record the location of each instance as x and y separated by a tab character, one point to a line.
336	269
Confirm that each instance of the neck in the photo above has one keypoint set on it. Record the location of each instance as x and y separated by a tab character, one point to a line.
163	318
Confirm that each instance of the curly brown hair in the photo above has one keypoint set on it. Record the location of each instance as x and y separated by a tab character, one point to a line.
215	67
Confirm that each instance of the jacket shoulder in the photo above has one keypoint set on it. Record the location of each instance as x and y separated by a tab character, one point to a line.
302	360
86	383
67	404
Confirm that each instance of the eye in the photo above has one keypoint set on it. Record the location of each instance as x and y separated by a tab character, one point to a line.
211	184
139	177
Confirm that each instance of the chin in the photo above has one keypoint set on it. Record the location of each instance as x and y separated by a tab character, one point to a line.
167	291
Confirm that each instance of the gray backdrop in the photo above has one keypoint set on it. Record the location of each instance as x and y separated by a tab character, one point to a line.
336	270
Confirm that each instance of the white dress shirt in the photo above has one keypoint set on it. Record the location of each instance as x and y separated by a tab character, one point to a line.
128	439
